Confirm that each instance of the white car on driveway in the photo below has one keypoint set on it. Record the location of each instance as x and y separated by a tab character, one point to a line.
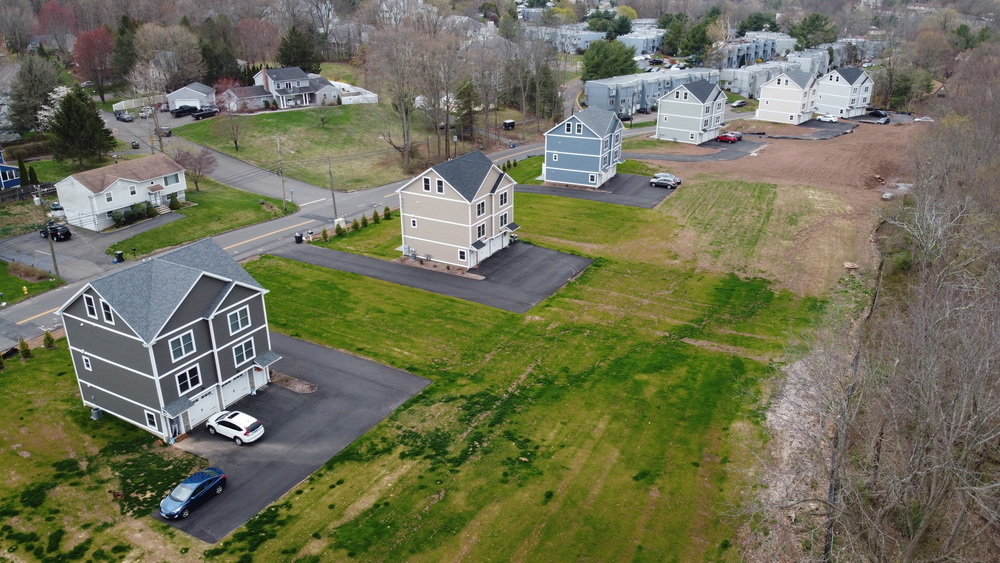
238	426
827	118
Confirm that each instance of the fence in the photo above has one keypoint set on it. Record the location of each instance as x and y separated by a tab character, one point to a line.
26	192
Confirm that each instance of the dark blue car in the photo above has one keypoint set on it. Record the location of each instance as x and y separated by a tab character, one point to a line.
193	491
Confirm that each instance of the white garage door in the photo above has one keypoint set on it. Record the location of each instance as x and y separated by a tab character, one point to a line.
496	243
205	405
194	103
235	389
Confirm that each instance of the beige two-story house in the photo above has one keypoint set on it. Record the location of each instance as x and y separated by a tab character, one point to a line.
459	212
789	97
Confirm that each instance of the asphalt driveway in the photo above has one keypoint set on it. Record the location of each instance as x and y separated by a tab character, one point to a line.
622	189
302	431
726	151
517	278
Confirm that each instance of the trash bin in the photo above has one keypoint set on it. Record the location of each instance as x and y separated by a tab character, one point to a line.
135	144
119	257
298	238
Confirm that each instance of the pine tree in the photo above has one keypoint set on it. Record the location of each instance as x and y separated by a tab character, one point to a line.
32	176
387	213
375	218
364	221
78	132
48	341
24	349
22	170
299	49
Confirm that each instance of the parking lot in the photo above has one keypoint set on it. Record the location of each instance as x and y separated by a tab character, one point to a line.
301	431
623	189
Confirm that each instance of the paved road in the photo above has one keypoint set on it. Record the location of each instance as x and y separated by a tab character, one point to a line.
302	431
517	278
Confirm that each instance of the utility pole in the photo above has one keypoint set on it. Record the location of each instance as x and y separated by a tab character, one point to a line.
333	193
48	235
281	172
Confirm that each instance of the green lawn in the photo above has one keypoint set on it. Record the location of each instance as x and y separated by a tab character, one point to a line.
349	142
528	171
376	240
218	208
12	287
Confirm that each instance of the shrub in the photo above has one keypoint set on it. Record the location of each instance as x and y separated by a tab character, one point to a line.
175	203
338	230
2	365
48	341
23	349
515	164
355	225
375	218
324	235
267	104
386	213
364	221
118	218
150	210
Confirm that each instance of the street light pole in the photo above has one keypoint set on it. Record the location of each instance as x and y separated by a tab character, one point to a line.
333	193
281	172
48	235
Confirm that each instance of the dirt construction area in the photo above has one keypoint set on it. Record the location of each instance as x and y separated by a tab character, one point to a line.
793	211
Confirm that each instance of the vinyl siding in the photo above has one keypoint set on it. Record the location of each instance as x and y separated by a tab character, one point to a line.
227	364
122	409
161	348
105	375
206	367
195	304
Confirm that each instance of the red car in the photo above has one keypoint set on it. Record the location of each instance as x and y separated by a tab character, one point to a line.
727	138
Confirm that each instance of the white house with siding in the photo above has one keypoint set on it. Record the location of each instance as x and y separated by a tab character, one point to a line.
789	97
844	92
691	113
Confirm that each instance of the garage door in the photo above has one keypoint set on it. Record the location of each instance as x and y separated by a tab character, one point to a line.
205	405
194	103
235	389
496	243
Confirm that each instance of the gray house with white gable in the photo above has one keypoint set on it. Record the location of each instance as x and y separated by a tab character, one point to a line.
583	150
169	341
691	113
845	92
789	97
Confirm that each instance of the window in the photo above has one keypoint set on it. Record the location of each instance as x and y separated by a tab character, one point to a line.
503	198
461	255
691	136
704	124
188	379
171	179
593	178
481	231
440	186
611	103
664	119
239	320
708	109
618	137
427	184
503	219
569	127
110	214
109	197
109	317
480	208
579	128
182	346
555	157
88	302
243	352
413	223
131	190
151	420
685	95
677	95
86	364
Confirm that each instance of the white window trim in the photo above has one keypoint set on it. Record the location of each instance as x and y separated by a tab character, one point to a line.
170	344
87	365
427	184
109	197
185	373
480	209
480	227
90	305
236	313
242	347
555	157
413	223
107	312
462	254
151	420
503	198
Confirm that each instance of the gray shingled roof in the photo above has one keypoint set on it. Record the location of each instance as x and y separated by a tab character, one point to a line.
599	120
245	92
169	277
466	173
851	74
201	88
138	170
799	77
287	73
701	89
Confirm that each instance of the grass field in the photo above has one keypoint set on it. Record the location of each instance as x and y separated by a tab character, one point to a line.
13	287
217	208
605	424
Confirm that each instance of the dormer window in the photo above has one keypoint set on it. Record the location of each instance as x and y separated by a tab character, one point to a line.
579	128
569	127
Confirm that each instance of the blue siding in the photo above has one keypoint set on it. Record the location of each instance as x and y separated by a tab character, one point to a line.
9	176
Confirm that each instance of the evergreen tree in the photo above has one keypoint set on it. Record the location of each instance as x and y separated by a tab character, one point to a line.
604	59
813	30
123	57
24	349
32	176
48	340
22	170
299	49
219	61
77	129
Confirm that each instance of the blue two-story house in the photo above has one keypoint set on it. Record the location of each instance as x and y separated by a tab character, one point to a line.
583	150
9	175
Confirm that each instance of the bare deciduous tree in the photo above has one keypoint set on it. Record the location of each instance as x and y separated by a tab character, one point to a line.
393	64
197	164
173	50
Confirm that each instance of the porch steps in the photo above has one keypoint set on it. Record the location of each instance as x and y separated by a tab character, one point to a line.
162	209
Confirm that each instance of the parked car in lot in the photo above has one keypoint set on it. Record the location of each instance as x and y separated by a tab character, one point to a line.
737	134
192	492
827	118
739	103
878	113
145	112
664	180
56	209
164	131
57	232
124	116
727	138
205	113
624	117
882	121
181	111
235	425
643	110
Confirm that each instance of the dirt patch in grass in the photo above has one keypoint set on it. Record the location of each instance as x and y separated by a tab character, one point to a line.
292	384
827	199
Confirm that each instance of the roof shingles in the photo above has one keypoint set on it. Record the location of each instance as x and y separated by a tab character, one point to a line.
143	169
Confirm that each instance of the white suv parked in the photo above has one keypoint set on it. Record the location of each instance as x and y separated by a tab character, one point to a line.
241	427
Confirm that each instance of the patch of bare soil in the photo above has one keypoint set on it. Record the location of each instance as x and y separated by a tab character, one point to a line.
438	267
292	384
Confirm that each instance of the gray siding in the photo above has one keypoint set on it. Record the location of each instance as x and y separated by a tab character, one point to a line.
220	324
238	293
196	304
227	364
104	343
124	410
569	176
161	349
168	381
116	380
78	309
